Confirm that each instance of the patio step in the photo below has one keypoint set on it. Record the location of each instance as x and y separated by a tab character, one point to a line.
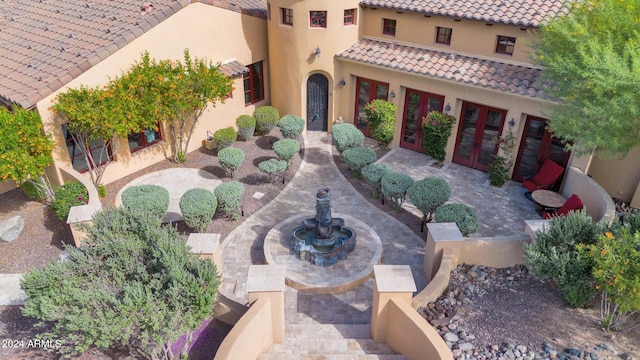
329	341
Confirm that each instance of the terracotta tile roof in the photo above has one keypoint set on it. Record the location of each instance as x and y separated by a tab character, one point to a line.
527	13
490	74
233	68
44	44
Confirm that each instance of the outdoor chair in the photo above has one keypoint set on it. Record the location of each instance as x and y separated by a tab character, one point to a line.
573	203
545	178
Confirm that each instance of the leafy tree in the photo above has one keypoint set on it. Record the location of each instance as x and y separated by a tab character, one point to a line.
137	288
179	93
592	59
25	150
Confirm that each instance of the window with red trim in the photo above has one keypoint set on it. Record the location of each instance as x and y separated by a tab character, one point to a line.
318	19
287	16
350	17
253	84
443	35
389	27
143	139
97	148
505	45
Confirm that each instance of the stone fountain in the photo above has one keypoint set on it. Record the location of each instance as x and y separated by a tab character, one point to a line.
323	240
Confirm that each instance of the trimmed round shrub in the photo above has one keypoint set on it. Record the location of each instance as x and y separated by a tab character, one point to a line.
428	194
286	149
229	195
198	207
148	199
291	126
67	196
373	174
272	168
230	159
246	126
381	115
357	158
394	187
346	136
32	191
266	119
461	214
223	138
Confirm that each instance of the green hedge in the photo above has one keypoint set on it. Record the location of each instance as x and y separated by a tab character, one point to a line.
223	138
230	159
266	119
67	196
229	195
286	149
358	157
148	199
429	193
291	126
373	174
272	168
381	116
246	126
346	136
461	214
198	207
395	186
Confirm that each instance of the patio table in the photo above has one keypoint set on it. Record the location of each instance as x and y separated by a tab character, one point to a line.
548	199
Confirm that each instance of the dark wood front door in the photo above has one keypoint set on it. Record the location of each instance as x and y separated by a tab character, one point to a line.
417	105
367	91
478	127
317	102
538	144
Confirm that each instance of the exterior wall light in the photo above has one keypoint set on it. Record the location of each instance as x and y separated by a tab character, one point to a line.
317	51
447	108
512	122
392	95
342	82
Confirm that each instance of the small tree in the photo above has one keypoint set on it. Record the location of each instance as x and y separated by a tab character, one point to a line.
24	150
346	136
246	126
461	214
198	207
230	159
266	119
273	167
394	187
436	129
137	288
358	157
286	149
225	137
428	194
229	195
381	117
152	200
501	164
373	174
291	126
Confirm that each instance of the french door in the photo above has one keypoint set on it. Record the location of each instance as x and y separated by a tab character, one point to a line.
367	91
417	105
479	125
538	144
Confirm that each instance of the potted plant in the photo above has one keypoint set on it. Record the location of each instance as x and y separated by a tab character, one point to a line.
208	142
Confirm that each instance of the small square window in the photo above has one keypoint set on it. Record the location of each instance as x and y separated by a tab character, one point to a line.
443	35
287	16
350	17
389	27
318	19
253	84
505	45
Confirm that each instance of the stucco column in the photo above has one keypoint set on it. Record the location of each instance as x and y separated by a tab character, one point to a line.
392	282
268	281
207	246
533	226
439	237
78	218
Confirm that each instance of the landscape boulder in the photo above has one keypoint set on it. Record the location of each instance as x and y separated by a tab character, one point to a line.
11	228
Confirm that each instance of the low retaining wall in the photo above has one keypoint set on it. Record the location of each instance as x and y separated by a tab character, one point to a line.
596	200
83	214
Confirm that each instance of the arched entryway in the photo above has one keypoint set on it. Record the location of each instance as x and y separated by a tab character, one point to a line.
317	102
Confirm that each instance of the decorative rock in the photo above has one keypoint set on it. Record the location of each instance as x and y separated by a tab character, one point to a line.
11	228
450	337
466	346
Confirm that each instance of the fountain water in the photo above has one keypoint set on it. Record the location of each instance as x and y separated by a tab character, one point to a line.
323	240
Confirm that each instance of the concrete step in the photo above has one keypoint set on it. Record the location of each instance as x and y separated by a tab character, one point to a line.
270	356
328	331
322	345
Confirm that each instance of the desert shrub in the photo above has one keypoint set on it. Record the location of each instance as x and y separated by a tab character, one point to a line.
272	168
67	196
33	191
632	221
381	117
428	194
395	186
436	129
148	199
246	126
373	174
102	191
461	214
229	195
291	126
358	157
346	136
137	287
198	207
555	255
285	149
230	159
223	138
266	119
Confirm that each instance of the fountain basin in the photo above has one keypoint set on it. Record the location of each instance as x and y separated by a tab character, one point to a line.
323	252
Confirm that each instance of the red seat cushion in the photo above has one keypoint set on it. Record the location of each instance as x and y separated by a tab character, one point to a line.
572	204
547	175
530	185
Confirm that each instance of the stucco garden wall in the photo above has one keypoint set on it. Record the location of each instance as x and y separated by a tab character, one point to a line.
619	176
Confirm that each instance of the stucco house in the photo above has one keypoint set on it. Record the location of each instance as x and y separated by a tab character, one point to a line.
321	60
